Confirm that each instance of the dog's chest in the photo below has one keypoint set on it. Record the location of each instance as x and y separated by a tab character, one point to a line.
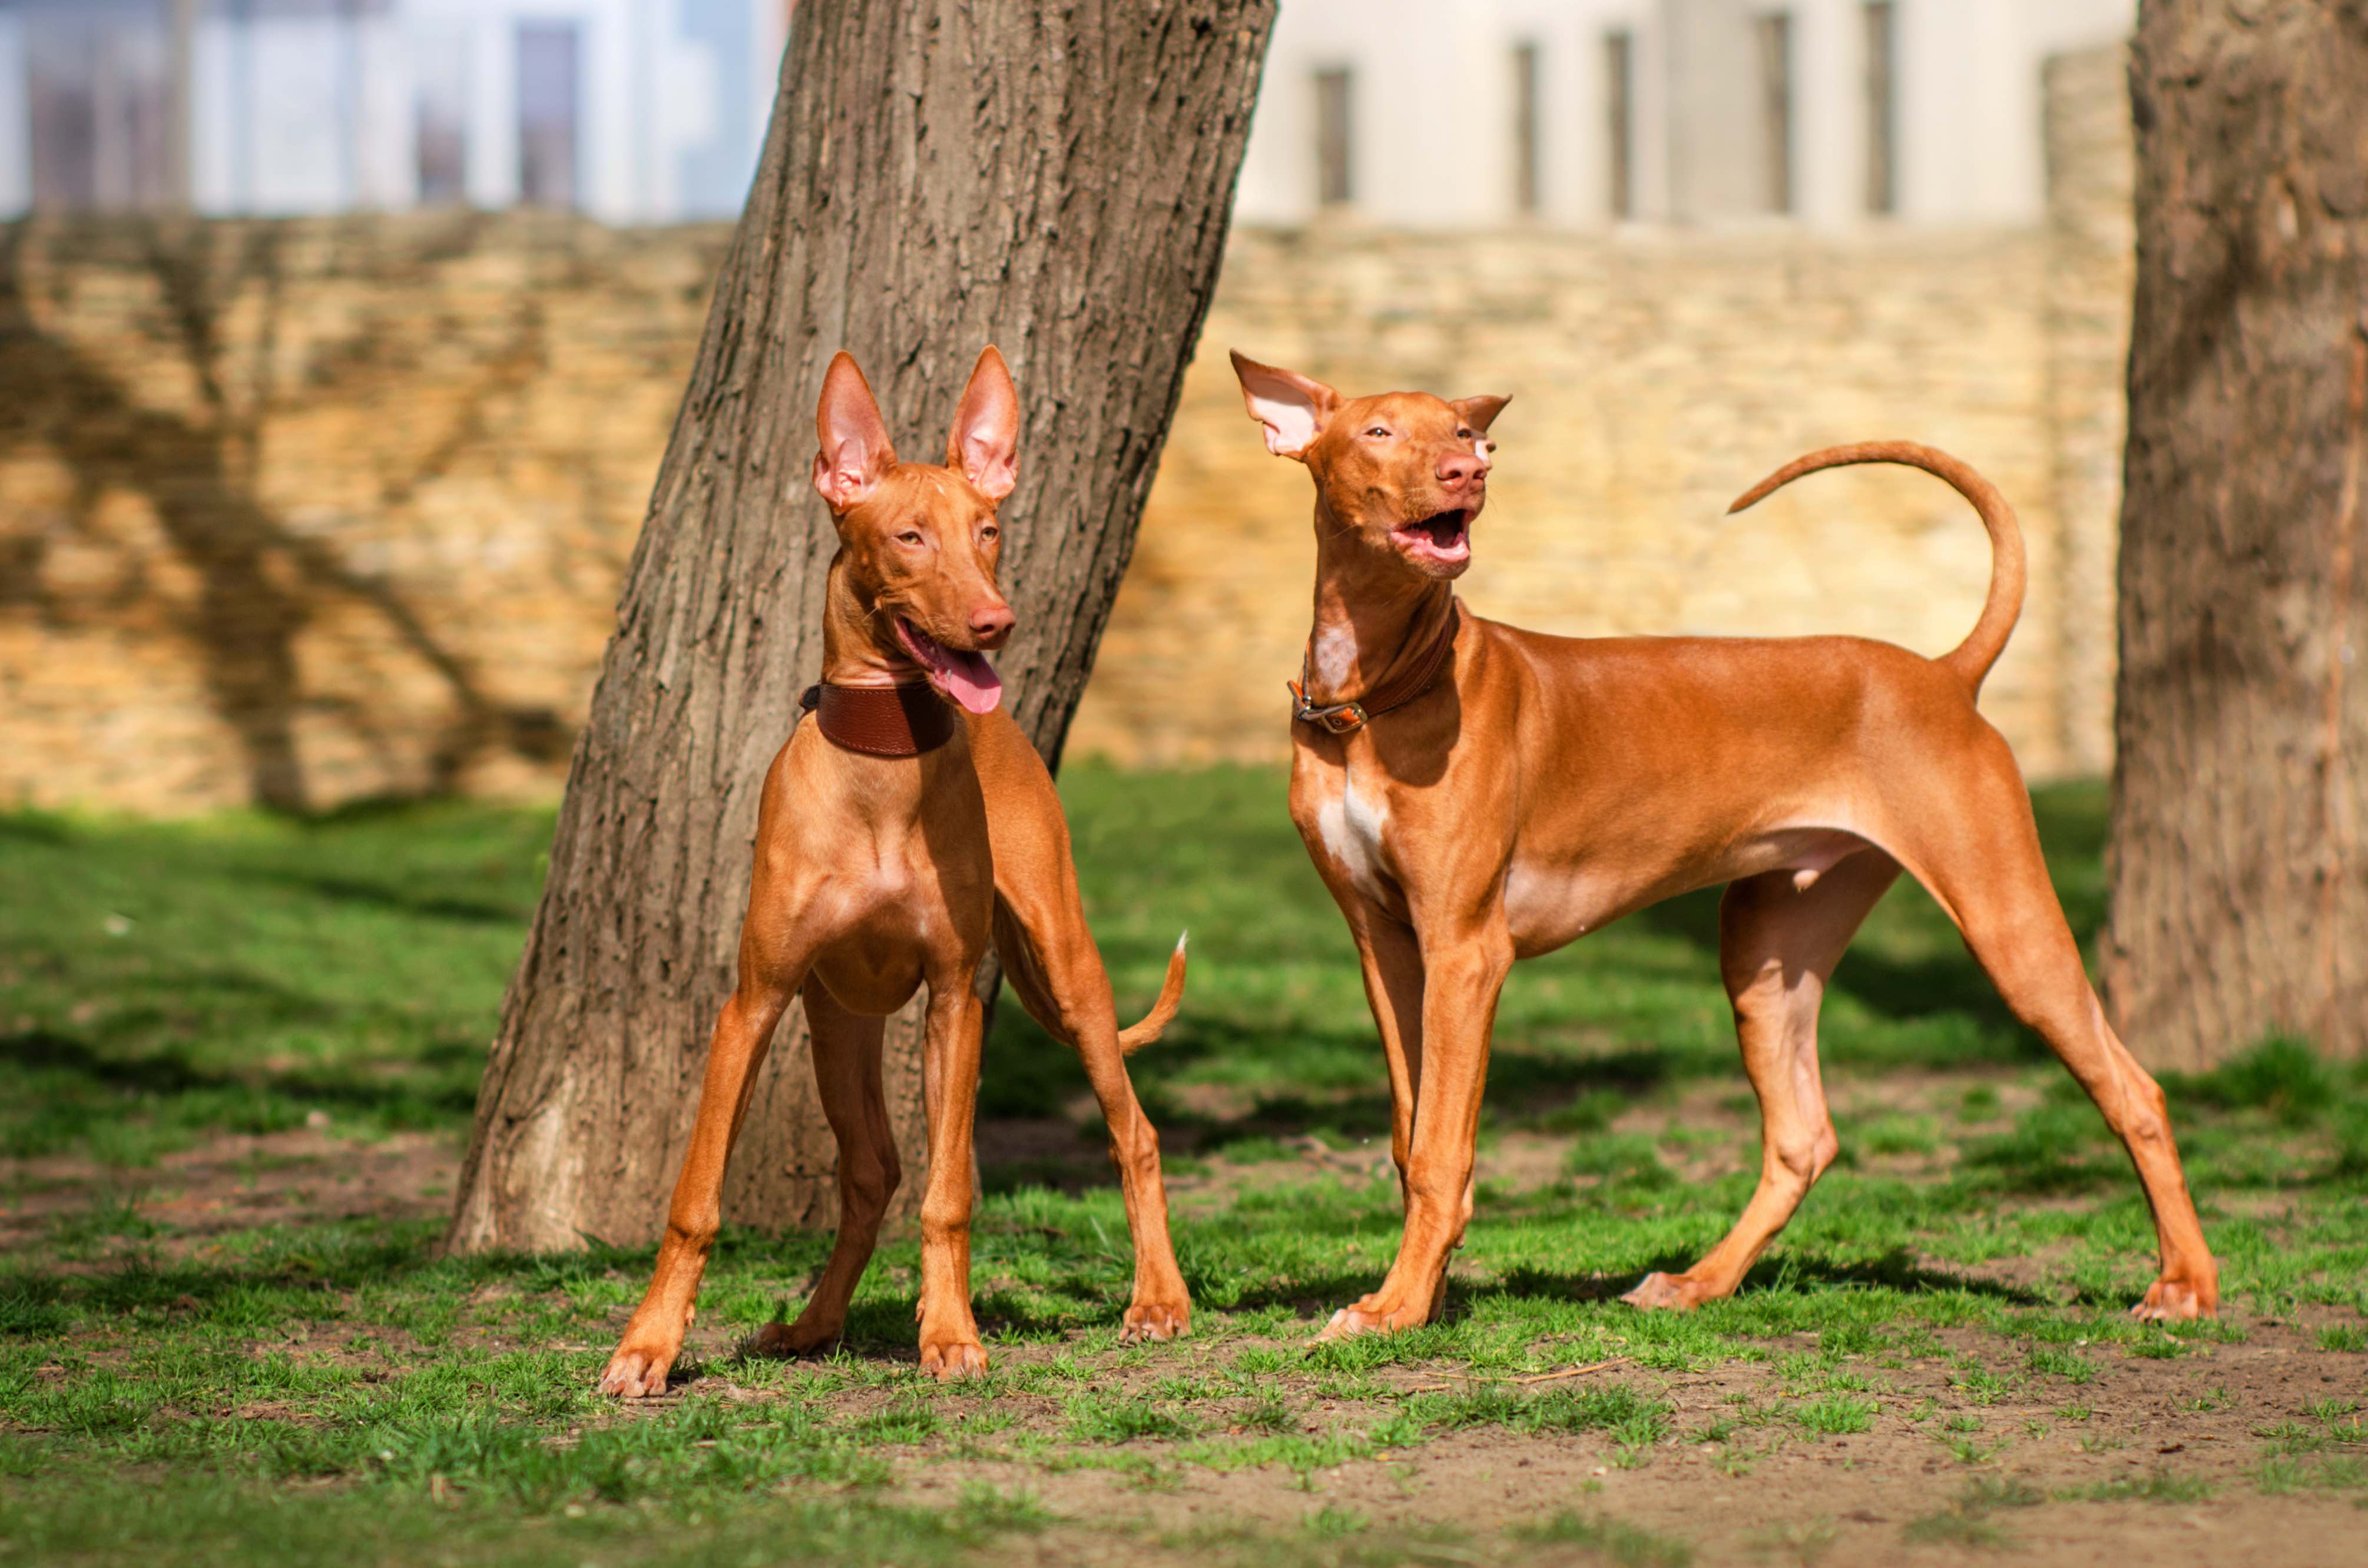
1352	823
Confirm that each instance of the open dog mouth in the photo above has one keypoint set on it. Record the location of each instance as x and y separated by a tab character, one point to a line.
963	675
1444	538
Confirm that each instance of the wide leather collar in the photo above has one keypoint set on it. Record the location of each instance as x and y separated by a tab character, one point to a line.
881	721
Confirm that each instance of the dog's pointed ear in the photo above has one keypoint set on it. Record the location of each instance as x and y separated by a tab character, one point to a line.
985	441
856	455
1293	407
1479	412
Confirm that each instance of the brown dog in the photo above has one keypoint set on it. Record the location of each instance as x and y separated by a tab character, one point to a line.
1472	793
894	837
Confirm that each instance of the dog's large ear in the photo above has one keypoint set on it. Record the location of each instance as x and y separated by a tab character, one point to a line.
985	441
1293	407
855	454
1479	412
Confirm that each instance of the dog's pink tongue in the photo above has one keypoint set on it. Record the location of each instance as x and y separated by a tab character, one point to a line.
970	680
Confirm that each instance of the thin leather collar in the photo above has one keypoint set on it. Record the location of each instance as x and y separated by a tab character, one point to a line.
881	720
1347	718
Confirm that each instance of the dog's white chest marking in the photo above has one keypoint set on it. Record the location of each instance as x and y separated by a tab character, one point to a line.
1352	824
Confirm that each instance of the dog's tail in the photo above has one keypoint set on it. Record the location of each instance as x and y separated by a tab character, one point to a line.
1972	658
1163	1012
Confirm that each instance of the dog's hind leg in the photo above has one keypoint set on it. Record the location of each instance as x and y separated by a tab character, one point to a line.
846	1074
1778	946
1059	979
1977	848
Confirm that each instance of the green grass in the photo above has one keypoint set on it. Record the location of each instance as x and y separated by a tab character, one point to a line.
291	1392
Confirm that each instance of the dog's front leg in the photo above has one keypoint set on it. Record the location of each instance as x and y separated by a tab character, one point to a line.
1459	984
743	1033
950	1346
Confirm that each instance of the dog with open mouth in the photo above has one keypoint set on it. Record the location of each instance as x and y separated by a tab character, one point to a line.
1472	793
899	832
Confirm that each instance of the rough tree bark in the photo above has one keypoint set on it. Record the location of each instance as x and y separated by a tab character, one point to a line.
2240	893
939	175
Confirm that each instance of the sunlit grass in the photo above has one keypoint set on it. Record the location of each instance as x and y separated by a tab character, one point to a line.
338	1390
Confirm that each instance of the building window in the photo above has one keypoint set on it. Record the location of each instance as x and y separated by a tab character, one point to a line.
1620	104
1882	106
1775	31
547	119
100	106
1526	180
1334	171
441	119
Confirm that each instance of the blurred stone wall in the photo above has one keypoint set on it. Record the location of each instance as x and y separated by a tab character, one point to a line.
301	513
304	513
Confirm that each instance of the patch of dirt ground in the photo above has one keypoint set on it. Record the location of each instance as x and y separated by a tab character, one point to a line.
2163	1463
304	1177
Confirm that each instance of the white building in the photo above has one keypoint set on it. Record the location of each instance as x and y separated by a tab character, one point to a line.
632	110
1584	113
1414	113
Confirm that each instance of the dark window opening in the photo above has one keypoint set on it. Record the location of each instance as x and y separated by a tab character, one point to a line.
547	117
1882	106
1776	105
99	110
1526	180
1334	171
440	123
1620	105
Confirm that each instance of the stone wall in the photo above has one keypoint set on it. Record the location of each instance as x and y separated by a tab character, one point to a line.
304	513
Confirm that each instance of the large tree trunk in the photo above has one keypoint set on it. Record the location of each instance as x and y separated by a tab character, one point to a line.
2240	893
939	175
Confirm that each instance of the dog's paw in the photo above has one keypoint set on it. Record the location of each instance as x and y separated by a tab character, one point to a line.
950	1359
1669	1292
1156	1320
636	1373
787	1340
1373	1315
2177	1301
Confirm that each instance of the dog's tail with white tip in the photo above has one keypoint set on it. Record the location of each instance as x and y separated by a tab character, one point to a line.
1163	1012
1972	658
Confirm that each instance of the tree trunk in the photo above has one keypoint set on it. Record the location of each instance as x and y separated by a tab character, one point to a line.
939	175
2239	895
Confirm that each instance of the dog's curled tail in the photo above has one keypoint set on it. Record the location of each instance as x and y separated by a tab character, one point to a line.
1972	658
1163	1012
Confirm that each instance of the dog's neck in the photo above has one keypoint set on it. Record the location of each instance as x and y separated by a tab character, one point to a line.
853	653
1373	618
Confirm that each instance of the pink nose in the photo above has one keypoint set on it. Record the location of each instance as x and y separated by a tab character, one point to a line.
1461	469
991	624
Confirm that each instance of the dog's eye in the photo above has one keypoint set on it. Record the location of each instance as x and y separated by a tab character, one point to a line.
1463	435
911	536
989	534
1379	430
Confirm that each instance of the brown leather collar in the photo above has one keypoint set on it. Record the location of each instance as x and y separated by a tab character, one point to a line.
881	721
1347	718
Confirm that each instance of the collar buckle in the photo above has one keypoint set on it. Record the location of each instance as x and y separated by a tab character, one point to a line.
1339	719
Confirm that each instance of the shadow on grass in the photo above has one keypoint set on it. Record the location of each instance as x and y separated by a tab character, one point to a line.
166	1075
372	896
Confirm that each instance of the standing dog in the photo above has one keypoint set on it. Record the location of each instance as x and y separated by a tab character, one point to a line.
896	833
1472	793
